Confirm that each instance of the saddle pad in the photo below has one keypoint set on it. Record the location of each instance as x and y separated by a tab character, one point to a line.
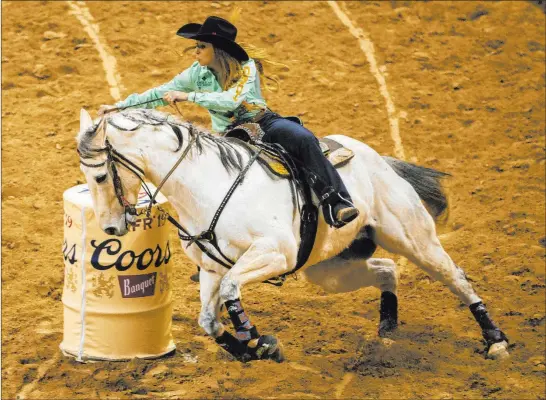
334	152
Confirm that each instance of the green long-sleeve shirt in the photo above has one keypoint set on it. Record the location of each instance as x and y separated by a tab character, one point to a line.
203	88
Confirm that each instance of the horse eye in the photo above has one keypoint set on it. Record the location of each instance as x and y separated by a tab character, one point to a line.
101	178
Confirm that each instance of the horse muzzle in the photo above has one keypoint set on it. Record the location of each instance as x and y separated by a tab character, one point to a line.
113	231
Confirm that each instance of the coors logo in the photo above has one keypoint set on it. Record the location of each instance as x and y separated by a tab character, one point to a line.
137	285
124	260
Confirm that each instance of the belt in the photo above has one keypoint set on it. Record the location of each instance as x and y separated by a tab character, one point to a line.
258	117
255	119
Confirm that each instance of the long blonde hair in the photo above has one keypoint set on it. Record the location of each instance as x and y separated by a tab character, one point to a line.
232	70
259	56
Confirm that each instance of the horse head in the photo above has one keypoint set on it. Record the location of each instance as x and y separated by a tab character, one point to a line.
113	178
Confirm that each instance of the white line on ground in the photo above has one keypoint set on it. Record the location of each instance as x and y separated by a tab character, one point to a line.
368	48
81	12
42	370
347	378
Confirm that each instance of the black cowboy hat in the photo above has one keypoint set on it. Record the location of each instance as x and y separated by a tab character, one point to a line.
217	31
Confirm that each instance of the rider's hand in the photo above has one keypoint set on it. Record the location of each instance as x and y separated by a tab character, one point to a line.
104	109
173	97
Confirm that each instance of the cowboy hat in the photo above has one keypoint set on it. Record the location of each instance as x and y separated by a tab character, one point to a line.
217	31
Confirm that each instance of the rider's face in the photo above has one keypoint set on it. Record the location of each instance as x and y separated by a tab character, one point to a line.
204	53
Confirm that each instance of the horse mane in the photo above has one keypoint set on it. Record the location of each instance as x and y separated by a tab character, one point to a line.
229	150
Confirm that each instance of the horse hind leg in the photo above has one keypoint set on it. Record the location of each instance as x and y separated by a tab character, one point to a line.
445	270
413	235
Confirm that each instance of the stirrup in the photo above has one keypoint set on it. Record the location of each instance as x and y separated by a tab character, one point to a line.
347	214
341	220
341	213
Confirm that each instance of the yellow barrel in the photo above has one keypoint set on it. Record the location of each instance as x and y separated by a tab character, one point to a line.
117	290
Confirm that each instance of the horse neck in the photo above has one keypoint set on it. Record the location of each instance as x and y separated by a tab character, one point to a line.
191	188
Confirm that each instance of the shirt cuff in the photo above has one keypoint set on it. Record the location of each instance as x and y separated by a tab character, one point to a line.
191	97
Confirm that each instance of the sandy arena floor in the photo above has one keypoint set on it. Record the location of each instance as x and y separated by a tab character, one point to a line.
467	80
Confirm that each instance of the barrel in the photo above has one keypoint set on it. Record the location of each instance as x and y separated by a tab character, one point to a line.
117	292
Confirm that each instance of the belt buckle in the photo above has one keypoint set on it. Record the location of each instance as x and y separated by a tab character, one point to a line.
259	116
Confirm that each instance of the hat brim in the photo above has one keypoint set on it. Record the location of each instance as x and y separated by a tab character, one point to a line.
191	31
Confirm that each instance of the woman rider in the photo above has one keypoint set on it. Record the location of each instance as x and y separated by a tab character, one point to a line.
226	82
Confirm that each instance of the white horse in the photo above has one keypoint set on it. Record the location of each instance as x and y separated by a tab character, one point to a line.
259	227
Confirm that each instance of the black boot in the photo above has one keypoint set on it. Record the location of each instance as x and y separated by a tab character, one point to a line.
344	213
337	210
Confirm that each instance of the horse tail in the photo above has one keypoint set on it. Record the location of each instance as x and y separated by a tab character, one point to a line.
425	181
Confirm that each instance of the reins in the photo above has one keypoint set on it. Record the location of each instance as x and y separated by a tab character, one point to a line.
116	109
152	199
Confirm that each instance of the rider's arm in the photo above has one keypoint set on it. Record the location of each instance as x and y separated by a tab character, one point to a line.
183	82
232	98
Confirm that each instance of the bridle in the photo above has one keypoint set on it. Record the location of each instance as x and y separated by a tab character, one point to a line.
113	157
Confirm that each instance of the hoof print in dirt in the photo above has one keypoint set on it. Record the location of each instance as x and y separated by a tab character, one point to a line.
268	348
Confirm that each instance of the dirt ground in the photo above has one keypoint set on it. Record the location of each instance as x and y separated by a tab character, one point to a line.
469	81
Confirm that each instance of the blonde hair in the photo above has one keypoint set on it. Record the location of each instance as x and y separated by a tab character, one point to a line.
232	69
259	56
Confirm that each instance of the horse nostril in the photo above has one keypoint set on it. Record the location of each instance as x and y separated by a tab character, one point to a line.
110	231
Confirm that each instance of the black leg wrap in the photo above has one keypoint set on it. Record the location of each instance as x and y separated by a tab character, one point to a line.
230	344
245	331
388	313
490	332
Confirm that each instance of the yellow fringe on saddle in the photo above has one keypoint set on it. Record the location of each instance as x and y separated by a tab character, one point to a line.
274	164
279	169
334	152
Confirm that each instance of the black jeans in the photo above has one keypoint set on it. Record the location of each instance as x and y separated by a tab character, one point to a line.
304	146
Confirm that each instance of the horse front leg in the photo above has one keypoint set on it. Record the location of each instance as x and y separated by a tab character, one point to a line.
262	261
210	311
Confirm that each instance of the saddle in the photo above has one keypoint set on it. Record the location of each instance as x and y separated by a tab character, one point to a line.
277	161
274	162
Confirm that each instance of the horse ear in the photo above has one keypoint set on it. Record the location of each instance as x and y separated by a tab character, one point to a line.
85	120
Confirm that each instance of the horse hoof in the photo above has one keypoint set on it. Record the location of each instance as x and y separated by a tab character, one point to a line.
387	326
387	342
498	351
268	348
